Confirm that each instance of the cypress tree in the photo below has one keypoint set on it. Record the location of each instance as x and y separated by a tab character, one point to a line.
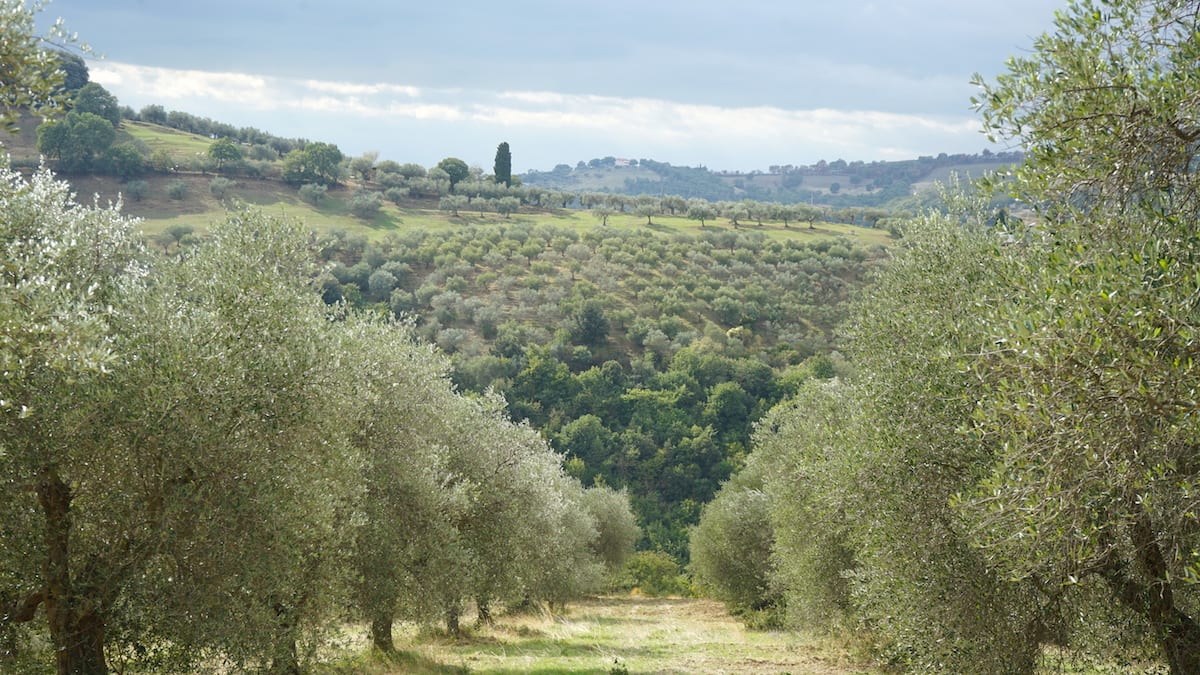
503	166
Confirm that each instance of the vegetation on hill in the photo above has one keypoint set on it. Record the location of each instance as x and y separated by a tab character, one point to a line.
221	446
836	184
209	465
644	359
515	302
1011	469
204	461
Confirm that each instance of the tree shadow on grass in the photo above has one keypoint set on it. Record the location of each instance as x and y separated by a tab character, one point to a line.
662	229
378	663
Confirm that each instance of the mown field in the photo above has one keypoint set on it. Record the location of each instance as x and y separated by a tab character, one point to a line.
615	634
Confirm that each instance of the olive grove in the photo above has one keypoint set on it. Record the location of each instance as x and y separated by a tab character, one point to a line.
205	462
1013	463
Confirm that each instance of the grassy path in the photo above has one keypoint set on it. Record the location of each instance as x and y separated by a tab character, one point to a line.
620	635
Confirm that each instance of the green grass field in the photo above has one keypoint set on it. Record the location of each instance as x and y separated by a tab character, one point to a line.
179	144
618	634
625	634
199	208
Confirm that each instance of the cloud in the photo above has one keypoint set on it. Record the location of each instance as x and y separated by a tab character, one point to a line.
355	89
680	122
564	124
172	84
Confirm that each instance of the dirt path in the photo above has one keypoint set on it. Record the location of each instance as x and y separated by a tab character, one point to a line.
635	635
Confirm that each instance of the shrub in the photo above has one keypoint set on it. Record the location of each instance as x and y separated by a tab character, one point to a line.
313	193
365	204
177	189
219	187
655	573
123	161
136	190
161	161
396	194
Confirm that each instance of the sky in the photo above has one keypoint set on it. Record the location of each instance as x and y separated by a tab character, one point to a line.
729	84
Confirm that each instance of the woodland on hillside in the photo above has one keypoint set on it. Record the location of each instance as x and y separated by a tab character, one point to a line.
836	184
644	360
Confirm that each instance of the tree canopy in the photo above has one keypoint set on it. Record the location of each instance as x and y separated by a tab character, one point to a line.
224	151
314	163
94	98
456	169
502	169
1012	463
76	141
30	73
75	71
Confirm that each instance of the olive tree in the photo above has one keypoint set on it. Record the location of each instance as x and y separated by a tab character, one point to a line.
31	74
616	526
603	213
157	427
64	267
365	204
363	166
730	548
867	496
453	204
515	519
1093	372
235	393
508	206
404	402
701	210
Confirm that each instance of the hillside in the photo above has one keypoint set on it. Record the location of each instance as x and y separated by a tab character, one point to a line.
643	349
180	154
181	188
836	184
643	354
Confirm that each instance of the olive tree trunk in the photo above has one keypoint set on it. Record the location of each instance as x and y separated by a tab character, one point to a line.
1177	633
381	632
75	619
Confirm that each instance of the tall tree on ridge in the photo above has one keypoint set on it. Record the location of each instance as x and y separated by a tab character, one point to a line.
503	166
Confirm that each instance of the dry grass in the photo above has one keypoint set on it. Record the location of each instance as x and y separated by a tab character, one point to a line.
617	634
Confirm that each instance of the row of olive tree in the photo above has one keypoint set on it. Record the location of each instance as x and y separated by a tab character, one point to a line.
461	187
1014	463
202	462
